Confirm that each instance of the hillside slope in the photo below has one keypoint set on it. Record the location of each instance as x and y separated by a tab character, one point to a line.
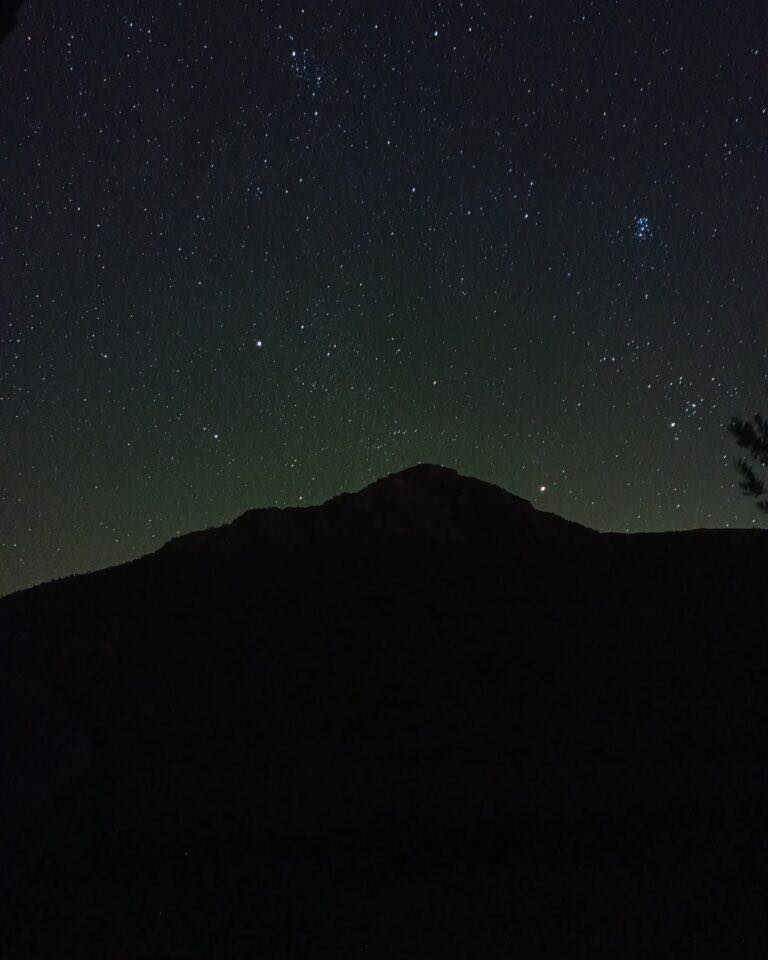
424	693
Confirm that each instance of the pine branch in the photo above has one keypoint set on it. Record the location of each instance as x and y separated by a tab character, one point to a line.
748	437
750	484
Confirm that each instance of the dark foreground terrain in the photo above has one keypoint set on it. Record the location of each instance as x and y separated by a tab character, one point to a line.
422	720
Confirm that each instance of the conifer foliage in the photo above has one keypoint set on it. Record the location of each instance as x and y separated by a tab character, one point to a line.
752	435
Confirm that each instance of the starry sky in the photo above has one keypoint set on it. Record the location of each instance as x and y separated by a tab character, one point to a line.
256	253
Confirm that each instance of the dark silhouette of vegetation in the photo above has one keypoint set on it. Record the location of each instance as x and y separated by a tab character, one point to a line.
8	12
752	435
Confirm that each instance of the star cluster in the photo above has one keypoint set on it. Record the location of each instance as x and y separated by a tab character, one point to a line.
254	254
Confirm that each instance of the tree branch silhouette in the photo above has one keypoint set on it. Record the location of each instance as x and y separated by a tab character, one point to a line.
752	435
8	12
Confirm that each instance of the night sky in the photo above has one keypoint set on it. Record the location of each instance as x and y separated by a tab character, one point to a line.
254	254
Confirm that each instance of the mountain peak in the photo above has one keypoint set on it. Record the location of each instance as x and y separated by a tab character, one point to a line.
426	503
422	473
427	481
431	502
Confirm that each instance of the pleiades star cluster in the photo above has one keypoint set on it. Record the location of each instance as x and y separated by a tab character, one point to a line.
256	253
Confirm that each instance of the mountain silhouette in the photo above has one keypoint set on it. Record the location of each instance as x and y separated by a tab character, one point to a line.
422	719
